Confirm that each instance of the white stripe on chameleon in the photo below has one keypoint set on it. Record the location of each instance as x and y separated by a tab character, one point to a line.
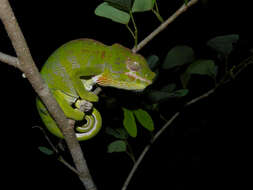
96	78
130	73
88	84
133	74
80	135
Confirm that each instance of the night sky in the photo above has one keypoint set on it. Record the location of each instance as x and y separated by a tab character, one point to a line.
207	146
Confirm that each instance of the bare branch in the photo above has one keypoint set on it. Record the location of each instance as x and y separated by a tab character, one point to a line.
182	9
157	135
55	150
32	74
13	61
238	69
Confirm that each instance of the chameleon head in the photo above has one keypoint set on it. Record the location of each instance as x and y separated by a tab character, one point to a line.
125	70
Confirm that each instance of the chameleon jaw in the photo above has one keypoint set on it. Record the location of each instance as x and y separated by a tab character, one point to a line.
106	81
133	75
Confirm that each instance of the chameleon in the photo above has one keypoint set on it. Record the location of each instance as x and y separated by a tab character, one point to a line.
72	71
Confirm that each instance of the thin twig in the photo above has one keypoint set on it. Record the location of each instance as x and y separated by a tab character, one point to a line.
32	74
242	66
164	25
239	69
10	60
157	135
56	151
182	9
47	138
200	97
135	29
61	159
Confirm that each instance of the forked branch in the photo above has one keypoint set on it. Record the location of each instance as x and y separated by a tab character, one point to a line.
28	67
164	25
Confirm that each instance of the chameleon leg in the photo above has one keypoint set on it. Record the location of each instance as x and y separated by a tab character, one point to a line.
84	132
82	92
83	105
70	112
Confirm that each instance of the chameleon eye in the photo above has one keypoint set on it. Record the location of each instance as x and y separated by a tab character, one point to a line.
133	66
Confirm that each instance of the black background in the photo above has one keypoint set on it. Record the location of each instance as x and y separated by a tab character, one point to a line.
208	146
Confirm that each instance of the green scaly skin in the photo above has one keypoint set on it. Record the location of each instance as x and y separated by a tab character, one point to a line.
72	70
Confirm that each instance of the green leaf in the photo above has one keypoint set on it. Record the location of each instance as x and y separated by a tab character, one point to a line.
144	118
125	5
169	87
177	56
153	61
46	150
201	67
119	133
129	122
185	78
143	5
156	96
186	2
117	146
108	11
153	107
179	93
159	96
223	44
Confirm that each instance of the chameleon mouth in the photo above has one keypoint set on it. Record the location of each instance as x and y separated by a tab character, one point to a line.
107	81
133	75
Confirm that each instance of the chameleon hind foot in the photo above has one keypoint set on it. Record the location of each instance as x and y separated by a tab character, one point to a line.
83	105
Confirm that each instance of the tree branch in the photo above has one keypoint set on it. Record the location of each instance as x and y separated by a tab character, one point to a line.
55	150
157	135
10	60
182	9
238	69
164	25
32	74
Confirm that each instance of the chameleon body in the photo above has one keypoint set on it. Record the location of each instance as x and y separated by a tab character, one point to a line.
72	70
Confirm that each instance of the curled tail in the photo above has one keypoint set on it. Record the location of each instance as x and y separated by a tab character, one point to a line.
84	132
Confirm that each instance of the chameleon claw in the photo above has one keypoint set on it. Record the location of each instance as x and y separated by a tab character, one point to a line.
88	84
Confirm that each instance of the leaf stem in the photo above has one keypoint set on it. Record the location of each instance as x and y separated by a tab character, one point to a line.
130	152
158	16
130	30
157	13
164	25
135	29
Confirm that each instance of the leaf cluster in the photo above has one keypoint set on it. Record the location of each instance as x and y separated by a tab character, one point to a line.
119	10
183	62
131	118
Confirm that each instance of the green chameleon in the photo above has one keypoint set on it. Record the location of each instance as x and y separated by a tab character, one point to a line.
74	68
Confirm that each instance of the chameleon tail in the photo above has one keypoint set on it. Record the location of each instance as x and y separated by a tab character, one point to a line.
91	128
85	132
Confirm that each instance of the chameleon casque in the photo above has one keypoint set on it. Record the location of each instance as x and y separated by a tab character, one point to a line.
72	70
